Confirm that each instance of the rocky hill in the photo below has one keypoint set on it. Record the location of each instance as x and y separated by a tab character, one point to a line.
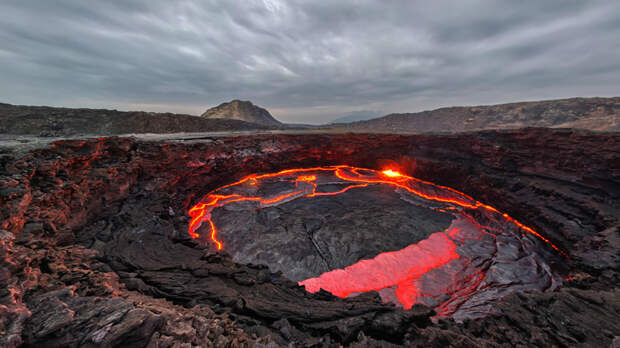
599	114
244	111
51	121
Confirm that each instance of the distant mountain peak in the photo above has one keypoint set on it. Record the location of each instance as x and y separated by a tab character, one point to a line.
354	116
242	110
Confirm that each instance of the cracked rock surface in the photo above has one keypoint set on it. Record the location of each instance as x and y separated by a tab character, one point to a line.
94	248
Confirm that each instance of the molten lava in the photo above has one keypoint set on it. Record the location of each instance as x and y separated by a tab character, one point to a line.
435	251
398	275
391	173
201	211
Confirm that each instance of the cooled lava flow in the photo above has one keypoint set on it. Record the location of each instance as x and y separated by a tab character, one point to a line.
201	211
449	269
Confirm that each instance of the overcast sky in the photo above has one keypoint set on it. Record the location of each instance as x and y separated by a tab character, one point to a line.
305	61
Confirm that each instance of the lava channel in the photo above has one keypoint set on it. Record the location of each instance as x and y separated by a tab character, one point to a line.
455	270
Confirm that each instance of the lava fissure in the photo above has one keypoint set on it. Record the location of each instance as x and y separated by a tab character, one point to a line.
201	211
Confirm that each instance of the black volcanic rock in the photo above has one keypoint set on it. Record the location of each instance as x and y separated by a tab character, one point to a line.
94	248
244	111
307	237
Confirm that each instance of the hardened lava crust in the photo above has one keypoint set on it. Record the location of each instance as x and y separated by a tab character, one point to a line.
96	249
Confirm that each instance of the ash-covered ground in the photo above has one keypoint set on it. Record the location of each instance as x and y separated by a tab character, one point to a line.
95	249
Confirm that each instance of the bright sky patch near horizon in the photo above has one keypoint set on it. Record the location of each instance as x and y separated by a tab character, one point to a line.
305	61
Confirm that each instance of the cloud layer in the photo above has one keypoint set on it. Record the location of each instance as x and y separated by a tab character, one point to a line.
306	61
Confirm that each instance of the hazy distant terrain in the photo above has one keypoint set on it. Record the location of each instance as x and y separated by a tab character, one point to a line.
354	116
51	121
600	114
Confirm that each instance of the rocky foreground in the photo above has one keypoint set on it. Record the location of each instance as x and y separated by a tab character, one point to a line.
94	249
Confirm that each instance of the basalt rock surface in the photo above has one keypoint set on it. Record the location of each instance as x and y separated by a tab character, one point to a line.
95	252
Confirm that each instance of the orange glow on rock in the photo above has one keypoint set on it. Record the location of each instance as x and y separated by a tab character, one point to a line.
307	178
305	186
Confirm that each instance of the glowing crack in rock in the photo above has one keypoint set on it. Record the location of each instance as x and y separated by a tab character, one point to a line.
201	211
441	270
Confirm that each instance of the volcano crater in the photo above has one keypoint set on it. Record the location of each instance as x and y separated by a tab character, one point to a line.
350	230
102	227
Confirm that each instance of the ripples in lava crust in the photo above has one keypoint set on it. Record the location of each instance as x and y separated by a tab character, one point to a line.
350	230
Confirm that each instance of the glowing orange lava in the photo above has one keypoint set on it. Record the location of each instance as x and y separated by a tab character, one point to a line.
391	173
435	251
305	186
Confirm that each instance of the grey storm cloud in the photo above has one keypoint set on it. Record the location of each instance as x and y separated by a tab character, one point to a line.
306	61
